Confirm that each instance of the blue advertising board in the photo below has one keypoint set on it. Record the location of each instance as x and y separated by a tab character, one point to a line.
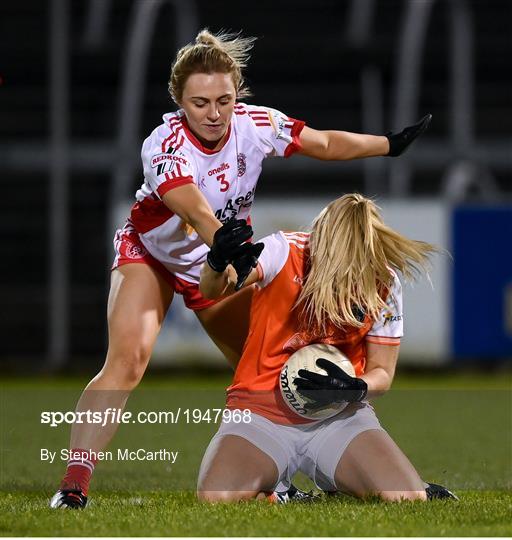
482	282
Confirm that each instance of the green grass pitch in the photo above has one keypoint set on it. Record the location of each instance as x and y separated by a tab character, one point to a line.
456	429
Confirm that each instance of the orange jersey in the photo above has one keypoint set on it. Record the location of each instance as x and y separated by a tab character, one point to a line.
275	331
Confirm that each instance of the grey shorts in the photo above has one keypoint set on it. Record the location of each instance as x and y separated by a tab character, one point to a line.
314	449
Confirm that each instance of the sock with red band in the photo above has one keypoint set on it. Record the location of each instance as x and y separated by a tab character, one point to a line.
79	471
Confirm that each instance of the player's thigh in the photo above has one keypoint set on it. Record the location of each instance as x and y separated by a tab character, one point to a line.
234	467
138	301
227	323
373	464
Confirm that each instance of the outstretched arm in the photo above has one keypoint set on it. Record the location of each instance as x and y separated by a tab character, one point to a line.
344	145
227	242
341	145
231	262
219	284
193	208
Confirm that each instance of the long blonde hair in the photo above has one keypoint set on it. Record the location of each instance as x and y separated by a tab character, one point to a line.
352	255
212	53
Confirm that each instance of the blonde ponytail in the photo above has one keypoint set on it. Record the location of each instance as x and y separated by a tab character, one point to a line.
352	255
212	53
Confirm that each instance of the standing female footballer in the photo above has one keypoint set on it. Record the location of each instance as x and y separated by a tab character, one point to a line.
337	285
201	167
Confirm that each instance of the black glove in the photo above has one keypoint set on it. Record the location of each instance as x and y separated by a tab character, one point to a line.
334	387
398	142
245	260
226	241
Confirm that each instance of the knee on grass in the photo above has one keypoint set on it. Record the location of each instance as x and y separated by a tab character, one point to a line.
401	496
225	496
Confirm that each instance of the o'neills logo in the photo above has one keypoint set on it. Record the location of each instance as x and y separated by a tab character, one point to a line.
159	158
288	394
218	170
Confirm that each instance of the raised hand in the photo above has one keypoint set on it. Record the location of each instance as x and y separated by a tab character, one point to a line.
399	142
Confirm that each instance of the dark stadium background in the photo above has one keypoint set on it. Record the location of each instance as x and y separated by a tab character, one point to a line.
69	168
305	63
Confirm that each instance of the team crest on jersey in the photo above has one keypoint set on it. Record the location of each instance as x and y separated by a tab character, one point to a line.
242	164
134	251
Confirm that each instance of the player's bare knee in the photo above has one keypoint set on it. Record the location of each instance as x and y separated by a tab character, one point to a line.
401	496
420	495
133	375
127	366
254	485
221	496
135	365
204	496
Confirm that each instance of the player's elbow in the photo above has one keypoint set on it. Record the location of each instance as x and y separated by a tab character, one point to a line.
385	384
380	373
377	392
379	387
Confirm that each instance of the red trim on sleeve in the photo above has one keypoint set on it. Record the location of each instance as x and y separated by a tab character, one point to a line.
294	146
382	340
172	183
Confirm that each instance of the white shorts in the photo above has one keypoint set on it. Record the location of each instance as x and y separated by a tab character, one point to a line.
314	449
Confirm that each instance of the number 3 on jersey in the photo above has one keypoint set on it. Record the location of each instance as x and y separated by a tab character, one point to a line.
224	184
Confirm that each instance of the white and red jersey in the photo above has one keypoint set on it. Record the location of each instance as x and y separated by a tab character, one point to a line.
172	156
275	331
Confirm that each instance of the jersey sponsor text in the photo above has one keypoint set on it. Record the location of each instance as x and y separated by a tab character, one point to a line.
159	158
218	170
